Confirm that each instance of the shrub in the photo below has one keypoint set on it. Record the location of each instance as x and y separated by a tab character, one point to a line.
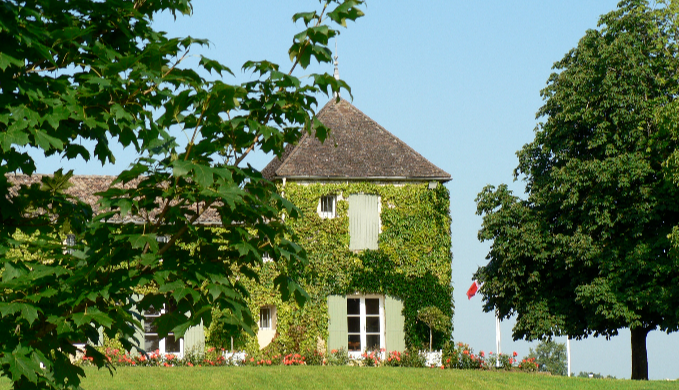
528	365
294	359
413	358
462	356
372	358
313	357
337	357
393	359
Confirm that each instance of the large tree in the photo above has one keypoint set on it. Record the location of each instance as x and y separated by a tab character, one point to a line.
588	251
94	73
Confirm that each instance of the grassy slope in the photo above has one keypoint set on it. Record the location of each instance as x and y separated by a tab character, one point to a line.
130	378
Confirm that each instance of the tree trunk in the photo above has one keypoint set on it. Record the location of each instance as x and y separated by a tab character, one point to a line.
639	355
430	338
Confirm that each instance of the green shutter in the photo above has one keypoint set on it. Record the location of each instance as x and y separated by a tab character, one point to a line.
138	340
393	313
101	337
194	340
364	221
337	322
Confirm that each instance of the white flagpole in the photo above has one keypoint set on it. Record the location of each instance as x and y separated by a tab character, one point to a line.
497	339
568	352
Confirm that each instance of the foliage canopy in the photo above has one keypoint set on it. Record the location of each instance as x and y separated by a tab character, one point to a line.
96	73
551	357
593	248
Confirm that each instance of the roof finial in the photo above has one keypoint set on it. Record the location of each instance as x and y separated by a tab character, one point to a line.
336	74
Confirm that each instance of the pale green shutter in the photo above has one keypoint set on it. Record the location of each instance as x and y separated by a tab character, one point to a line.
194	340
337	322
138	341
393	313
364	221
101	337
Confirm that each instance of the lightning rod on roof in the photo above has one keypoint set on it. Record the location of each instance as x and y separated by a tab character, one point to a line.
336	74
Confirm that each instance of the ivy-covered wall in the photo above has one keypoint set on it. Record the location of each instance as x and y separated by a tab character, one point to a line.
413	262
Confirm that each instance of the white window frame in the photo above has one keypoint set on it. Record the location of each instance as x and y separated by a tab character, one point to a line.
323	201
363	333
269	319
161	343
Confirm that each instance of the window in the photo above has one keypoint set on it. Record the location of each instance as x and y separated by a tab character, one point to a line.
265	318
152	342
365	323
326	208
70	243
267	325
364	221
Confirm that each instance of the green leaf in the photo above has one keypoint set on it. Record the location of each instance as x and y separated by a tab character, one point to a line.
203	175
181	168
139	241
21	364
13	137
211	65
25	310
346	10
307	17
7	60
46	142
12	271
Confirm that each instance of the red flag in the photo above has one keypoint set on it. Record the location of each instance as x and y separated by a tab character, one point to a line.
473	289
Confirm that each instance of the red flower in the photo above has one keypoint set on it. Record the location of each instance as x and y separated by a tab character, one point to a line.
515	354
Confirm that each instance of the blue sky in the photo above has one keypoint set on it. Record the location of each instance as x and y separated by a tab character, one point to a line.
459	81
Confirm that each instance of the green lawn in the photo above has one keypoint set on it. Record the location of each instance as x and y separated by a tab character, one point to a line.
130	378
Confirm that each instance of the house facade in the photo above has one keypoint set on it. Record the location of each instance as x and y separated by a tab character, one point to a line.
376	228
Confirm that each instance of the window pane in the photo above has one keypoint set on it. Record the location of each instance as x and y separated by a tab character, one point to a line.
372	306
353	306
372	324
328	205
151	343
265	318
354	324
149	326
372	341
172	345
354	342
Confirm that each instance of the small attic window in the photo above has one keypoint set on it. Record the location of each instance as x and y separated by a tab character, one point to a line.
326	207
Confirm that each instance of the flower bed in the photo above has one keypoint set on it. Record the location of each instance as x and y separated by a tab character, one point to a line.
456	356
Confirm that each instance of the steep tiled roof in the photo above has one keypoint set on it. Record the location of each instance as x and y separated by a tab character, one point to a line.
85	187
357	148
